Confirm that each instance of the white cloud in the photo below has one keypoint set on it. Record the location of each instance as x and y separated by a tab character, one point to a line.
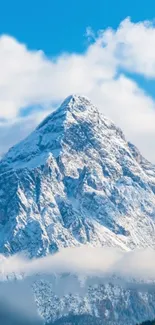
29	78
133	45
85	261
132	109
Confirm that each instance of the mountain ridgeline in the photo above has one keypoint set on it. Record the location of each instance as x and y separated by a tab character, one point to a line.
76	180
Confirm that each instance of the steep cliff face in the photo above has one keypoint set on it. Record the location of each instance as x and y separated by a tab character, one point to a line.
76	180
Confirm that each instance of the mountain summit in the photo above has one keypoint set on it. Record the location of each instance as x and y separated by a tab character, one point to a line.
75	180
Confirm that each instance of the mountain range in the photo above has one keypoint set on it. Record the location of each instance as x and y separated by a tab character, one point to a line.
75	181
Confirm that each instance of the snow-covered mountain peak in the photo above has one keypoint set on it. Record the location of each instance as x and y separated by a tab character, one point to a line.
75	180
74	101
77	103
75	126
72	107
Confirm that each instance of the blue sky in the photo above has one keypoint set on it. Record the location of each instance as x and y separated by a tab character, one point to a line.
59	25
46	53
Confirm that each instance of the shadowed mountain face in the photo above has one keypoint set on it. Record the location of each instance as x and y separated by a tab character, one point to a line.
148	323
76	180
87	320
78	320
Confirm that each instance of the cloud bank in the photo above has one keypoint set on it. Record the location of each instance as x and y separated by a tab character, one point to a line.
32	84
84	261
73	271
